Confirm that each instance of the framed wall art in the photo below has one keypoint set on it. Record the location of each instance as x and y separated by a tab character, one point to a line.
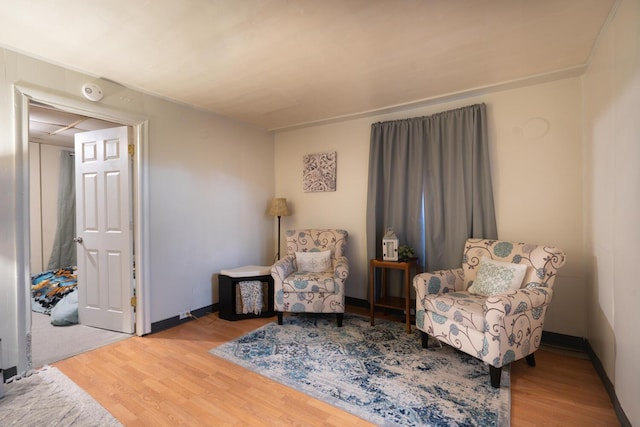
319	172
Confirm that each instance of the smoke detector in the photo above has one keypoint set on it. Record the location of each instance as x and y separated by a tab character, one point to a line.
92	92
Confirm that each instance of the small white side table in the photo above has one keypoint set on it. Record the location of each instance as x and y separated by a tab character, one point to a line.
228	293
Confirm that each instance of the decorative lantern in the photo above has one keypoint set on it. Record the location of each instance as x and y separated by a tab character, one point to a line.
390	246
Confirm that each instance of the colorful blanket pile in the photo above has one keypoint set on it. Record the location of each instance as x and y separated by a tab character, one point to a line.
49	287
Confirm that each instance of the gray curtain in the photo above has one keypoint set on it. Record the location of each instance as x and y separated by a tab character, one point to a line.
63	253
430	180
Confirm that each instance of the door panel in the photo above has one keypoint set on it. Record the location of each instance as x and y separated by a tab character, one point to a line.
105	246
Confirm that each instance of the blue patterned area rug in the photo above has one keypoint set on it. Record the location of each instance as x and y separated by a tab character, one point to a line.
378	373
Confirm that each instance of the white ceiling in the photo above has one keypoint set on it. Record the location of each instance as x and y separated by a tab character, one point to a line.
282	63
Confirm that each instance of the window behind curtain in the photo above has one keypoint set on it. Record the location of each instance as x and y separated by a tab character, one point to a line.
430	180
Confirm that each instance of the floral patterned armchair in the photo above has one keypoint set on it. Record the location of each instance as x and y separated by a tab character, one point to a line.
310	278
493	307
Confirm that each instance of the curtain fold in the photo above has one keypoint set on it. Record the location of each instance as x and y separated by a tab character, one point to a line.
430	180
63	253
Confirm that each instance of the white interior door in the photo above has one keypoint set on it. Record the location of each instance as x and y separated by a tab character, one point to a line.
104	235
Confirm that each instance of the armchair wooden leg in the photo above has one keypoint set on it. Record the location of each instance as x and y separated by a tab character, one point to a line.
425	339
280	318
531	360
340	318
495	374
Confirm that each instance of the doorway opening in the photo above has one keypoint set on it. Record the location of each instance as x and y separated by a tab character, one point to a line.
57	331
26	95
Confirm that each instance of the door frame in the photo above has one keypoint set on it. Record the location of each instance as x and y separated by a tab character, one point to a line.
23	94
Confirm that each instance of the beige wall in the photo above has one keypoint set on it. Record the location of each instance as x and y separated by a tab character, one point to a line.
344	208
535	143
612	202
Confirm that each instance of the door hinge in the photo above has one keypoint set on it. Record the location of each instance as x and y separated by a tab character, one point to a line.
134	301
132	149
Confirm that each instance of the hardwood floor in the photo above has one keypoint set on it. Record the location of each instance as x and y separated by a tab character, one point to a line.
170	379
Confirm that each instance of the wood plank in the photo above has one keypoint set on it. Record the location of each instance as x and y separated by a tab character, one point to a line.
169	378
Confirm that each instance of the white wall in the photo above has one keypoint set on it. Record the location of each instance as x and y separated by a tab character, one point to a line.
612	202
210	180
535	143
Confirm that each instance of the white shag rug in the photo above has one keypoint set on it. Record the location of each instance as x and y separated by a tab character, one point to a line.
48	397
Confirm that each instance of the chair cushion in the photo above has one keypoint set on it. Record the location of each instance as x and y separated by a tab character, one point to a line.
497	277
303	281
462	307
314	261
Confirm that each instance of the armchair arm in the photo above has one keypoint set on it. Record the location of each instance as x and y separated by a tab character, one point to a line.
438	282
283	268
513	324
341	268
515	302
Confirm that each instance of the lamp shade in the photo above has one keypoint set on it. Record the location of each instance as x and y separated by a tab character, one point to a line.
279	207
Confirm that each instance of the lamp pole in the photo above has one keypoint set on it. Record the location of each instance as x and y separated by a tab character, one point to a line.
278	237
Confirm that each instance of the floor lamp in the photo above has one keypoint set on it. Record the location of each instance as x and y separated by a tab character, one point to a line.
279	208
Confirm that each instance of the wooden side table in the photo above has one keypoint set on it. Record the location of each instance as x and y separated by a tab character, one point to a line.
404	303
